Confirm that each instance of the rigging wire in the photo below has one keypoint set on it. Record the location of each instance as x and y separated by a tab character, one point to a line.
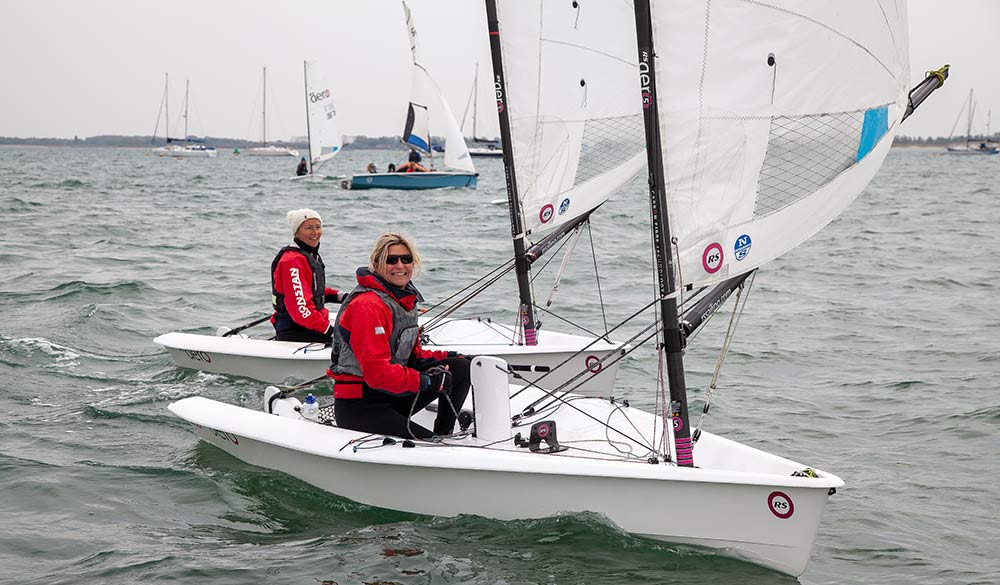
734	320
597	277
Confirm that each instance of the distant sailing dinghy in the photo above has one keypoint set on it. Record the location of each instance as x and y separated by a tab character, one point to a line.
190	148
758	160
325	140
417	135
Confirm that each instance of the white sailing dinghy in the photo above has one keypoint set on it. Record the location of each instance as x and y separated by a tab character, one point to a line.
417	135
483	147
737	139
266	149
325	140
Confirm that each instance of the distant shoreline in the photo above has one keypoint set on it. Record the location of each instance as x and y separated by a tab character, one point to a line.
114	141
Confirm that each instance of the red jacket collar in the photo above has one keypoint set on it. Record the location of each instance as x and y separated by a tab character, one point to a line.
407	297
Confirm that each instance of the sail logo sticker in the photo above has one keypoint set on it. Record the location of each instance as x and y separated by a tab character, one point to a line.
498	87
742	247
594	364
644	80
711	258
319	96
564	206
781	505
545	215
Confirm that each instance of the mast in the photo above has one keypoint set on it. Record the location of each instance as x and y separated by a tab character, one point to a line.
673	344
475	101
305	80
526	314
187	91
968	128
166	102
263	114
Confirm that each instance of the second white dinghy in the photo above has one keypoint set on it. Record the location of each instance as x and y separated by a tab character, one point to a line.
587	365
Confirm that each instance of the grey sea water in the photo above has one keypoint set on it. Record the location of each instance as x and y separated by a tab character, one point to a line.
871	351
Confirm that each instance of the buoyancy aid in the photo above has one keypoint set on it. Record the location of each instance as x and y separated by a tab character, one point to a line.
282	320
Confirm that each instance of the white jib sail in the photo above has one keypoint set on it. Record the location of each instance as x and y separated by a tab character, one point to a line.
774	115
325	140
571	73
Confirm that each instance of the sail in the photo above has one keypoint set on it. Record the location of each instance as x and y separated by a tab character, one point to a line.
417	130
576	121
773	117
423	93
325	140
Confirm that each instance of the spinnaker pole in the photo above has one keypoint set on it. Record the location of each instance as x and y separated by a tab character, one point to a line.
526	313
673	339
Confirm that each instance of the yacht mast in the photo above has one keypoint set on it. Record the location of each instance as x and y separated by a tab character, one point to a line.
305	80
187	91
263	114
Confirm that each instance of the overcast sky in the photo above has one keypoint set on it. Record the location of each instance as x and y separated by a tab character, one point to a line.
87	68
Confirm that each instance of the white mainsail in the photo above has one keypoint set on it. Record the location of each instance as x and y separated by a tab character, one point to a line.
773	117
423	93
572	91
325	140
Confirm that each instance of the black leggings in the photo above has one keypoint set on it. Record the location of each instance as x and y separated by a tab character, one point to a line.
383	413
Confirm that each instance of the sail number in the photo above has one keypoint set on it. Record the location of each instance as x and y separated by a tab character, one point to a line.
781	505
198	356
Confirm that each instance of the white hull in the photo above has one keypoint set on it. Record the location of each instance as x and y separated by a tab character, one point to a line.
271	151
181	152
281	361
486	152
742	501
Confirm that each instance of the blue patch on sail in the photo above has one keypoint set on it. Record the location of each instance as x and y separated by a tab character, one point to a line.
417	141
875	126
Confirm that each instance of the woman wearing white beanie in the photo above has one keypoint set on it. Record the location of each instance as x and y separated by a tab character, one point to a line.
298	283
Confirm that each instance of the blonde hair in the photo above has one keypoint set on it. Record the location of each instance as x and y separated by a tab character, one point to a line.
381	250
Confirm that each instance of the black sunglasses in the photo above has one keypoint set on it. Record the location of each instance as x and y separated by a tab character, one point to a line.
394	258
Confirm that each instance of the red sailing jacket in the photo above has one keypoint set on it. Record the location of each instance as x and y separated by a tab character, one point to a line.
293	280
366	326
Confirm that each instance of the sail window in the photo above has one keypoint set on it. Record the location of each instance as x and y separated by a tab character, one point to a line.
607	144
804	153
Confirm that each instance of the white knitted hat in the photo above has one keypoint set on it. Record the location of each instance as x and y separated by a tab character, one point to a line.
297	216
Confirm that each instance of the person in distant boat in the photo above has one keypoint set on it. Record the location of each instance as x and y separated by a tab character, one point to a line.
382	376
414	157
411	167
303	168
372	168
298	284
391	168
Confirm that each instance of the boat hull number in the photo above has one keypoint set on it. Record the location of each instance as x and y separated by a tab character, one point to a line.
198	356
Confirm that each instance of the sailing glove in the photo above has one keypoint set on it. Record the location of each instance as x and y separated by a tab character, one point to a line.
436	379
336	297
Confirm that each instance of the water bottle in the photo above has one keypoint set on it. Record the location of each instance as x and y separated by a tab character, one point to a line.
310	408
